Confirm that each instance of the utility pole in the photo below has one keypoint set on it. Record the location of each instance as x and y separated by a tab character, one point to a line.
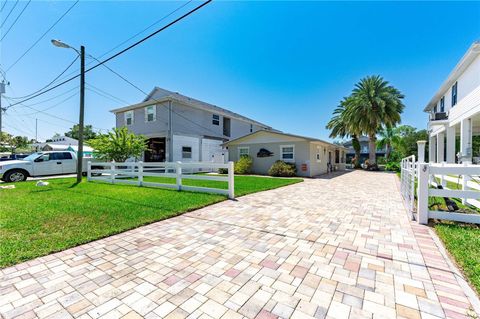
82	113
2	90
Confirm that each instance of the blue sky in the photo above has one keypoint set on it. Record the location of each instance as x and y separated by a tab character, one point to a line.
286	64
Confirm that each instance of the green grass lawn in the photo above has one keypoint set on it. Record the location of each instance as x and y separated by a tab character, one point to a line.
35	221
463	243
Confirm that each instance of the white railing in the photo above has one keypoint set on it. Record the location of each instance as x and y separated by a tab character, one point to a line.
408	168
426	173
134	173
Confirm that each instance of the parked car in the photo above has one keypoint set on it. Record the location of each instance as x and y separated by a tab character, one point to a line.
40	164
13	157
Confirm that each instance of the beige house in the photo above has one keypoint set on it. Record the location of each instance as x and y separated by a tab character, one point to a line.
311	156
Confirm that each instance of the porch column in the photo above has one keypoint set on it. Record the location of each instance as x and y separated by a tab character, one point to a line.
466	140
440	147
450	144
432	145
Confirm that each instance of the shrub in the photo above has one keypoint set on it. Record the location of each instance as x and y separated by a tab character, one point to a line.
282	169
223	171
381	160
392	166
243	165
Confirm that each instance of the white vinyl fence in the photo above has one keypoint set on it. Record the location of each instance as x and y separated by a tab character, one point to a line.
133	173
426	174
408	168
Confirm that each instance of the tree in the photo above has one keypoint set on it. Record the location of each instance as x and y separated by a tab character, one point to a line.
388	136
118	145
19	142
88	132
372	105
341	128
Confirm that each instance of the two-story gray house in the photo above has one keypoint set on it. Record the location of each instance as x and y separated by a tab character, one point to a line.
180	128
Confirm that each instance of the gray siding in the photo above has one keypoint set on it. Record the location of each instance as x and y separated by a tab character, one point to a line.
186	120
261	165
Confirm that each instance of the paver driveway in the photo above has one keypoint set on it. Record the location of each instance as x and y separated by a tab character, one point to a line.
337	248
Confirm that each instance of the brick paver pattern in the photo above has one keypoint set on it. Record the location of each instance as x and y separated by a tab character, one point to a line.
340	247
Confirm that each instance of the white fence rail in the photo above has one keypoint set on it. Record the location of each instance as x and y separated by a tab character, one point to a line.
426	173
408	168
133	173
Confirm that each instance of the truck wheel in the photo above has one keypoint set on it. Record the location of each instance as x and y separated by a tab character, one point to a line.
16	175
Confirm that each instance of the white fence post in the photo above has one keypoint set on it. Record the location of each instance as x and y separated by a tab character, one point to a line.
112	172
465	179
231	180
421	151
422	193
140	173
89	171
178	168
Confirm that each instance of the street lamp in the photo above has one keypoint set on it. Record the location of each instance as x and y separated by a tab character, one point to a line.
61	44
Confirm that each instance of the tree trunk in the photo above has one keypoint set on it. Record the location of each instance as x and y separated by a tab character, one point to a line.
372	146
387	151
357	148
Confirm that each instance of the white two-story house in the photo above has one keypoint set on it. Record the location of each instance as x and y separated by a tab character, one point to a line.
180	128
455	111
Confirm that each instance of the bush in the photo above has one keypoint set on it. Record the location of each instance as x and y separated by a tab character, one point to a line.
392	166
282	169
223	171
243	165
381	160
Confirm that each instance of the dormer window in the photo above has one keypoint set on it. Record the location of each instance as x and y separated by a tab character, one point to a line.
454	94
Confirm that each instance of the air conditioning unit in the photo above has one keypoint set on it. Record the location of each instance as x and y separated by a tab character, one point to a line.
440	116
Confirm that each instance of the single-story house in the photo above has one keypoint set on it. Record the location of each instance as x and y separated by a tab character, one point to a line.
311	156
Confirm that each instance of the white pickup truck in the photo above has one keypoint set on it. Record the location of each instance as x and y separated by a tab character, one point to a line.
40	164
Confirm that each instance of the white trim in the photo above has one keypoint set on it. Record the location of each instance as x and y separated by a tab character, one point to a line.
125	117
154	108
243	147
293	153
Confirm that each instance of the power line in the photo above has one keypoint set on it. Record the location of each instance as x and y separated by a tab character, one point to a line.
105	94
46	100
42	36
54	105
9	13
18	17
139	89
50	83
118	53
3	6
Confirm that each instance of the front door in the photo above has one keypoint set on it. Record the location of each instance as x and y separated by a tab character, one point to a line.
44	165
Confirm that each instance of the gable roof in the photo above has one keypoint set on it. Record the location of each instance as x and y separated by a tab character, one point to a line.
309	139
464	62
166	95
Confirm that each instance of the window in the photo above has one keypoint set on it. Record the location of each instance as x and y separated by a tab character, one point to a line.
454	93
186	152
318	154
150	115
129	117
287	153
216	119
60	156
435	109
243	151
251	128
442	104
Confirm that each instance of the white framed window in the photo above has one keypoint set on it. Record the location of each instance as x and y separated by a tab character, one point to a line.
150	113
251	128
243	151
128	117
454	94
186	152
287	153
318	154
216	119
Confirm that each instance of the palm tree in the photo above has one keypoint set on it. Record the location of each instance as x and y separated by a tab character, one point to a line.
373	104
388	136
341	128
